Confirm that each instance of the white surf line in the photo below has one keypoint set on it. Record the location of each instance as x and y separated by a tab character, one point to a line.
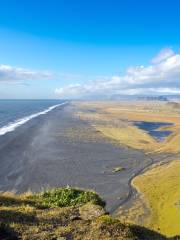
13	125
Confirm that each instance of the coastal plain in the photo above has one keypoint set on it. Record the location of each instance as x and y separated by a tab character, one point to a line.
98	146
60	149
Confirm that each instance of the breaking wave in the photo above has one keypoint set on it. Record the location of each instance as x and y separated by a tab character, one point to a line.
10	127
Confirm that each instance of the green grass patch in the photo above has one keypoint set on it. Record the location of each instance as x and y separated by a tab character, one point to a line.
65	197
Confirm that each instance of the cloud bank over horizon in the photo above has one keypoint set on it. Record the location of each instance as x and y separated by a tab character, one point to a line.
9	74
162	76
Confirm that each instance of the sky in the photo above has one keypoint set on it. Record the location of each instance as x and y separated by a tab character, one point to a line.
76	49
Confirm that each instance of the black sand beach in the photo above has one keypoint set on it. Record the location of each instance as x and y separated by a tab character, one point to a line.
58	149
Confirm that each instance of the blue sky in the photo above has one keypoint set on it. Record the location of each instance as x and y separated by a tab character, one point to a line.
62	48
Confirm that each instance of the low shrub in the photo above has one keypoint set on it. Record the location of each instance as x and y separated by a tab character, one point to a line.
65	197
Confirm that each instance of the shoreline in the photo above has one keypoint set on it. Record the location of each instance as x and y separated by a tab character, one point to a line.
59	149
11	126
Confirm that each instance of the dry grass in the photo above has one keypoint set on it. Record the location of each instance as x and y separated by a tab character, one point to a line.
160	189
129	135
113	119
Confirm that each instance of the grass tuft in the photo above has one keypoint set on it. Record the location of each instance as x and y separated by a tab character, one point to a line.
65	197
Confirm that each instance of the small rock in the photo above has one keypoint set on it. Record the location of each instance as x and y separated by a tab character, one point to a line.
90	211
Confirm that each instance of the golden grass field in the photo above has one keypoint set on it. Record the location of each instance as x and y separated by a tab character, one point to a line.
159	187
113	120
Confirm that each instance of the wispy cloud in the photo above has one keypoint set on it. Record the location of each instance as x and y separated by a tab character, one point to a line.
164	54
161	76
11	74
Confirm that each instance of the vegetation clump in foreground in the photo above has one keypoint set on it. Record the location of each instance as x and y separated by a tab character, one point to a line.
65	197
63	214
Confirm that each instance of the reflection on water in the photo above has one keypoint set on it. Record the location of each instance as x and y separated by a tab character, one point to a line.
152	129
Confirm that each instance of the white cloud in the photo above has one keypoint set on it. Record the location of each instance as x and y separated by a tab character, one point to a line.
163	76
152	91
17	75
163	55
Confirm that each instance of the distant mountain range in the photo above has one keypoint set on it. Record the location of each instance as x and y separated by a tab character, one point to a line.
153	98
165	98
118	97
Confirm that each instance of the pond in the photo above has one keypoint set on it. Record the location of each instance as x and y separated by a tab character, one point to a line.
153	129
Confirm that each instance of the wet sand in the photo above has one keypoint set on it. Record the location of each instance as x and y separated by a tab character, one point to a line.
44	153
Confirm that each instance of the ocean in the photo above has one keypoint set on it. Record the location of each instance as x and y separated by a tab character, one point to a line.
14	113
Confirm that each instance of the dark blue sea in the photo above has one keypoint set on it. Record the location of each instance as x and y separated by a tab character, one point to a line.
14	113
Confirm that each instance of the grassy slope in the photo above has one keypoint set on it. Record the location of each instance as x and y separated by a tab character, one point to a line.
40	217
160	188
129	135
